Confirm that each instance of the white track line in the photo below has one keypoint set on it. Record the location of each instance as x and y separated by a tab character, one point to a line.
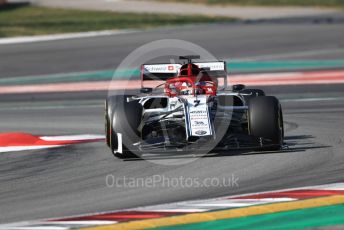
83	222
22	148
42	38
41	227
83	137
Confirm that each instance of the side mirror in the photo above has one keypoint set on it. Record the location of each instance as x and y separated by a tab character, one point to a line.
146	90
238	87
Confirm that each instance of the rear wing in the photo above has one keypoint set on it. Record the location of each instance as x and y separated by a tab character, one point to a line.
162	72
159	72
217	69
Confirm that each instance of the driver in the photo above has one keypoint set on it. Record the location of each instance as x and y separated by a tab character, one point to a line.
185	89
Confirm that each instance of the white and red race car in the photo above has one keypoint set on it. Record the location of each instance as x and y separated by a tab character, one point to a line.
194	111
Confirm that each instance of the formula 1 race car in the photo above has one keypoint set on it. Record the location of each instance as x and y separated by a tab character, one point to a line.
192	112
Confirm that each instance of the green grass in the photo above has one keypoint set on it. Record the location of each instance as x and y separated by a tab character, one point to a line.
321	3
29	20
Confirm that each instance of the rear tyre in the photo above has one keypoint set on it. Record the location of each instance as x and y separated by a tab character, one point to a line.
265	122
122	117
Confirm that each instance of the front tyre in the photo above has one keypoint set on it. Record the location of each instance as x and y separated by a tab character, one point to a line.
122	117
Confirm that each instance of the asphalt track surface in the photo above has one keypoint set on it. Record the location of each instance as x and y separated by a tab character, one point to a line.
72	180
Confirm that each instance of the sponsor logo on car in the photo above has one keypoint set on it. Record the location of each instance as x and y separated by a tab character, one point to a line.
156	68
201	132
198	111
